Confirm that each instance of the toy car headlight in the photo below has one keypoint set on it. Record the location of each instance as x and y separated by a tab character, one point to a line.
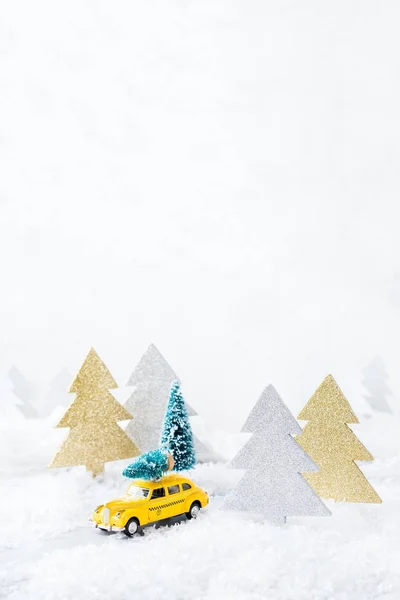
119	513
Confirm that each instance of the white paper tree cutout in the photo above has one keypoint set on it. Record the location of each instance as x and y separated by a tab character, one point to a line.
152	378
273	485
25	392
57	392
375	382
8	400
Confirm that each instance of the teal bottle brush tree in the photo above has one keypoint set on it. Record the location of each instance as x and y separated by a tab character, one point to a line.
177	443
177	434
151	465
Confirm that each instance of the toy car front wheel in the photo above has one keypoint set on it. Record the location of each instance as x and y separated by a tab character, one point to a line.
194	511
131	527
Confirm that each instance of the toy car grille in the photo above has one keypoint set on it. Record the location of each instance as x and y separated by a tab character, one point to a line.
106	515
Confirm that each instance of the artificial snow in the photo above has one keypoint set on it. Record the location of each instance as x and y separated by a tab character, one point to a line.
50	551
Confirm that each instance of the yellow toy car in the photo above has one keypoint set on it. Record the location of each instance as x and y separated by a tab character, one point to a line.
150	501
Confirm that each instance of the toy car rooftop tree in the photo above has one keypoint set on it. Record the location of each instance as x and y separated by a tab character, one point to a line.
177	444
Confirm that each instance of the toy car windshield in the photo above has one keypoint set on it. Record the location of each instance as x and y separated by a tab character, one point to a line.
136	492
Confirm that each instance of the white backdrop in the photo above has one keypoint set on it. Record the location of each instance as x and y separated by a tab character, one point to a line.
220	178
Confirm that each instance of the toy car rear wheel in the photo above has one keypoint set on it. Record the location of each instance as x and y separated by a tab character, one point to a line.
194	511
131	527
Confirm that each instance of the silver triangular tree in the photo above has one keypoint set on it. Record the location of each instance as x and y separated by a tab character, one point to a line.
273	485
24	391
375	382
152	378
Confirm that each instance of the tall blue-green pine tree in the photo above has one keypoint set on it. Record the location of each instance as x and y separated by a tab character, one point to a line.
177	435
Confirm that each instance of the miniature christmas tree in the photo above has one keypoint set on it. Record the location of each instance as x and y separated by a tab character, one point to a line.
95	437
24	390
151	466
177	435
273	484
334	447
152	378
374	380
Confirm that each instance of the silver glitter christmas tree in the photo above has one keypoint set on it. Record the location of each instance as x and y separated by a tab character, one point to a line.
152	378
375	382
273	485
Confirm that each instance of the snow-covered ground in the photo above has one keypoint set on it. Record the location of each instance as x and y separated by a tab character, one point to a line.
49	551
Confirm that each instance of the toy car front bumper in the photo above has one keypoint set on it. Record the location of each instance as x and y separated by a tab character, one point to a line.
108	527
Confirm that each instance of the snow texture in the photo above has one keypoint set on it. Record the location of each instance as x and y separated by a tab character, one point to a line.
375	381
49	550
273	485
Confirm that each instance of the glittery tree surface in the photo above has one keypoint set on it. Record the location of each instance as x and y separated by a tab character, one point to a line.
334	447
273	485
152	378
95	436
177	435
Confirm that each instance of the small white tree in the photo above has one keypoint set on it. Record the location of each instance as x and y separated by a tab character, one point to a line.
57	392
374	381
25	392
273	485
152	378
8	400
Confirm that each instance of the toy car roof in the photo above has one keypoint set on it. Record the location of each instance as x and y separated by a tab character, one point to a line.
171	479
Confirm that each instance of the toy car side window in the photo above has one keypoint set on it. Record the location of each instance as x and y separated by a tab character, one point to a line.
158	493
173	489
186	486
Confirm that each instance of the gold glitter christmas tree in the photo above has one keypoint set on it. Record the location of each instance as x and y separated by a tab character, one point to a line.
334	447
95	437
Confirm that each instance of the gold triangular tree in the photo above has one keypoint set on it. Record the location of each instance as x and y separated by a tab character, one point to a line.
95	437
334	447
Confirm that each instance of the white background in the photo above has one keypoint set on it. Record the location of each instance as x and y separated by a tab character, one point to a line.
219	178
